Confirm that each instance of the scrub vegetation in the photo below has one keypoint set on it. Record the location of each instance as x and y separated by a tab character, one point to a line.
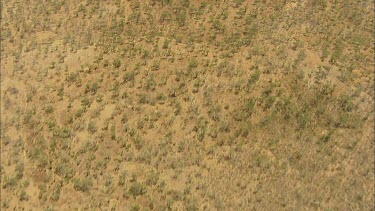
187	105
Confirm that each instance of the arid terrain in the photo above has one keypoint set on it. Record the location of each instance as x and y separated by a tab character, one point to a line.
187	105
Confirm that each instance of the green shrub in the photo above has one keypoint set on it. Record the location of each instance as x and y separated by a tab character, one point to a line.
122	179
82	185
129	76
346	103
48	109
62	132
92	88
19	171
143	99
254	77
42	192
92	128
193	64
117	63
56	193
137	189
155	66
135	208
181	17
9	182
124	118
23	196
64	170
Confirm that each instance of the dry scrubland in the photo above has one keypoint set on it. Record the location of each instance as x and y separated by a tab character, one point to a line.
187	105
